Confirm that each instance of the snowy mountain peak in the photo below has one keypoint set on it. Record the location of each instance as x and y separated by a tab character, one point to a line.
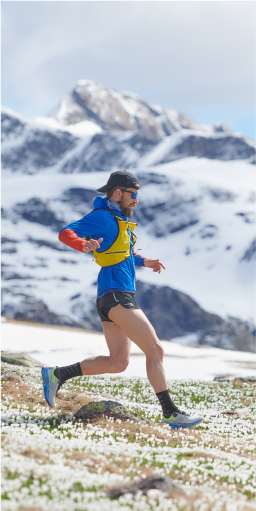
122	111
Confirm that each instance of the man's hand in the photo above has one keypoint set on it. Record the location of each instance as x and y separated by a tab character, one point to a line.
92	245
154	264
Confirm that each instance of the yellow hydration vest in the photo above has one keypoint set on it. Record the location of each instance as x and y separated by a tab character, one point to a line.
120	249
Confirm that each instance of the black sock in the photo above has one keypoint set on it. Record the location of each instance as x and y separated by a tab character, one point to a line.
67	372
166	403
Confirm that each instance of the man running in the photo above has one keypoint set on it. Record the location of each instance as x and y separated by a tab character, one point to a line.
108	233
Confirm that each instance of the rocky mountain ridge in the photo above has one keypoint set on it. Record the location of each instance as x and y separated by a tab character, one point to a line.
125	132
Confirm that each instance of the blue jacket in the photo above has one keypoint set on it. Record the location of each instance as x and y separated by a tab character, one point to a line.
100	224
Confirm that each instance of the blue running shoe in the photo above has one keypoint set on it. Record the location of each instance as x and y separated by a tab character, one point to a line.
51	385
180	419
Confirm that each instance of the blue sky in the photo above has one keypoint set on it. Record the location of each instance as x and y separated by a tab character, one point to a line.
196	57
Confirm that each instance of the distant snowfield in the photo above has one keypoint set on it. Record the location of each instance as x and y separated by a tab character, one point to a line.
53	346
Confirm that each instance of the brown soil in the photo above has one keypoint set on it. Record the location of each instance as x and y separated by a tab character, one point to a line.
23	393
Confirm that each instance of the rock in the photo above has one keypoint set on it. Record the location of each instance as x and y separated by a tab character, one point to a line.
18	305
108	151
45	243
174	314
9	250
88	318
235	379
152	178
233	414
20	359
93	411
171	312
233	334
250	253
162	483
11	275
4	239
38	211
167	217
79	199
223	378
218	146
208	231
219	195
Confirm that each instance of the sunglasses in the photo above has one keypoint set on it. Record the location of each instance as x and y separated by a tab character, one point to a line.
134	194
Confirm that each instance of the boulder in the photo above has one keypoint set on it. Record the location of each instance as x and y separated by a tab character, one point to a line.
235	379
162	483
21	359
94	411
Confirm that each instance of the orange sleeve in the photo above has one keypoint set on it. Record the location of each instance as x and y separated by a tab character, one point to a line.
71	239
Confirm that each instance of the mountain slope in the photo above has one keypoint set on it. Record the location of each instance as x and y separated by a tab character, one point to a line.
195	212
198	216
28	146
186	143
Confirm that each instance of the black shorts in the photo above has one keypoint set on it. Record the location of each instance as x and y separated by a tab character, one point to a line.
110	300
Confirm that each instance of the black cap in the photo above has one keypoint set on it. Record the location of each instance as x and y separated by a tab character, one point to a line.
120	178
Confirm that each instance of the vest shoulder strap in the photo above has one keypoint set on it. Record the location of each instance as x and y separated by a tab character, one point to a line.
111	212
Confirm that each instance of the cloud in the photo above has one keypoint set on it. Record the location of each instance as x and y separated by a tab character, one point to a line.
194	56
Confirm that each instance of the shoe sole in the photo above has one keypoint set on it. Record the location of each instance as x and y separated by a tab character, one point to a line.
45	377
177	426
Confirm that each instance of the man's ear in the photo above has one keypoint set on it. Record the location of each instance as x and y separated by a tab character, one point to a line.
118	193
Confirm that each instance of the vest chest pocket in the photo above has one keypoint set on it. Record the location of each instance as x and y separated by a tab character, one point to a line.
120	249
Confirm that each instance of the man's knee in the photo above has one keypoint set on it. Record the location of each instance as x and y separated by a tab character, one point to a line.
157	353
118	366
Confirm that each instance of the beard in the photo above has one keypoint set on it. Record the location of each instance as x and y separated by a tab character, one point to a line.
125	211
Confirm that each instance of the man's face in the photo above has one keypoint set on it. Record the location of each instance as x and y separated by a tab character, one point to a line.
126	202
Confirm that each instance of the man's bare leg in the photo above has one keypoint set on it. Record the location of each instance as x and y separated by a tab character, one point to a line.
127	324
137	327
119	346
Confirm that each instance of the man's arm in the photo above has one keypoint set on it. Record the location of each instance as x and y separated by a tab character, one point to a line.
74	235
71	239
138	259
148	263
154	264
